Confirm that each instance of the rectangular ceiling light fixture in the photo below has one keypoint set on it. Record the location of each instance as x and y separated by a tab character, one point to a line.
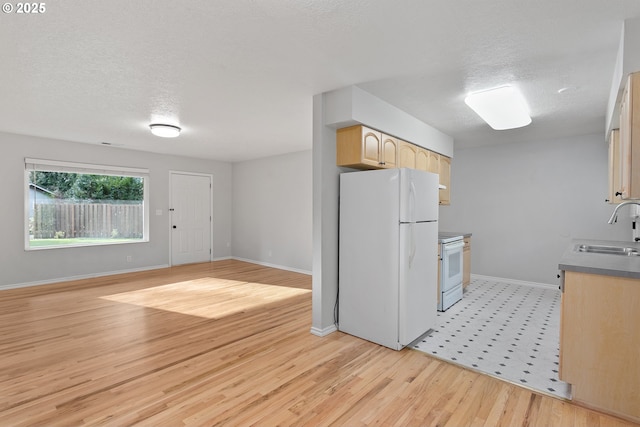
502	108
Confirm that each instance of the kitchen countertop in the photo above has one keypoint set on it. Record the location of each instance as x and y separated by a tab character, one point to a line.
604	264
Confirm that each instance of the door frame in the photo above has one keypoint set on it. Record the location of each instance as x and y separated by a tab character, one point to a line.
208	175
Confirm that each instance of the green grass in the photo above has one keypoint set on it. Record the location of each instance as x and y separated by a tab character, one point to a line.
80	241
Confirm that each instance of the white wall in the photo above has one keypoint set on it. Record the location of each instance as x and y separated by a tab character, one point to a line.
524	202
272	211
20	267
351	105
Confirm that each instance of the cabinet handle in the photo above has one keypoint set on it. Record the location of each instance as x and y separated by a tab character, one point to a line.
381	163
618	193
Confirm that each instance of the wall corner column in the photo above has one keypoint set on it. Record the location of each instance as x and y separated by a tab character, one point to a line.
326	186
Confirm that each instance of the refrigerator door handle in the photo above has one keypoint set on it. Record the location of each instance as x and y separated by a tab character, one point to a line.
412	201
412	247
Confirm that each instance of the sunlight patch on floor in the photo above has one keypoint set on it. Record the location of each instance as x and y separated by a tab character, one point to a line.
210	298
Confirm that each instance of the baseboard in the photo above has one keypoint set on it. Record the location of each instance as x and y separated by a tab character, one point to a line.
514	281
135	270
266	264
323	332
79	277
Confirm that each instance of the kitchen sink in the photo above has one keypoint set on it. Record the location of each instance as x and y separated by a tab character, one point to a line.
609	250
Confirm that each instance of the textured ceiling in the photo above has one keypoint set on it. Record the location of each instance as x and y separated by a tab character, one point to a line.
239	75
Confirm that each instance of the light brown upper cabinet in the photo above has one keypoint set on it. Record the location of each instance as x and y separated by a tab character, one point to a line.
415	157
614	168
630	139
390	151
412	156
437	163
422	159
360	147
433	162
445	179
407	155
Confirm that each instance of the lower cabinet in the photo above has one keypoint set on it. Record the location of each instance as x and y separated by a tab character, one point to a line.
466	262
600	342
439	272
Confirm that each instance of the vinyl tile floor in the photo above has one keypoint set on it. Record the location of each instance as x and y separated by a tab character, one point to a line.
509	331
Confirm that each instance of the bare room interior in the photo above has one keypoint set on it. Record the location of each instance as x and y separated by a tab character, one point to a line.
296	213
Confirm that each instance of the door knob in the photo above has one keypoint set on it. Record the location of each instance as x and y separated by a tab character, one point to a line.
175	226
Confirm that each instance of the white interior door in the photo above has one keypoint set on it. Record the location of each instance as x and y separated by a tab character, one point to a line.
190	218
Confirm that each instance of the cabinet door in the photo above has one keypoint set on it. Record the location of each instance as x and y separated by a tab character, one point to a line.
625	144
439	272
614	168
415	157
599	341
358	147
422	159
371	143
433	162
407	155
630	139
389	152
634	134
445	179
466	262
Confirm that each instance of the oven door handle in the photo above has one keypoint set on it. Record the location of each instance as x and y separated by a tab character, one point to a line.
453	246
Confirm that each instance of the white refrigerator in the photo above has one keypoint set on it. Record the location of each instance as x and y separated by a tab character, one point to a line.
388	255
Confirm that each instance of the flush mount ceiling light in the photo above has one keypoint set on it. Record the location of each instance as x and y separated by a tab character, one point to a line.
502	108
165	131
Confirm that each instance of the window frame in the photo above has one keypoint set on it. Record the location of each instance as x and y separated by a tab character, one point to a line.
43	165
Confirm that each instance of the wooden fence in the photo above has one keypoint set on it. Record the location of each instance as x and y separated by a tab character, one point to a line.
86	220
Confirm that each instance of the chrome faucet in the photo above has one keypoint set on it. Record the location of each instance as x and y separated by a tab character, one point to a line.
614	215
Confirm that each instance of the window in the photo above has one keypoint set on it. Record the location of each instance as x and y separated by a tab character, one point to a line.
73	204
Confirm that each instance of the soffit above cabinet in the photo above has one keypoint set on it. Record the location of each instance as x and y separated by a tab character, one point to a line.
352	105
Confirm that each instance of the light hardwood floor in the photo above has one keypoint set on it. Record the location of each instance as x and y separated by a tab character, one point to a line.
228	343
